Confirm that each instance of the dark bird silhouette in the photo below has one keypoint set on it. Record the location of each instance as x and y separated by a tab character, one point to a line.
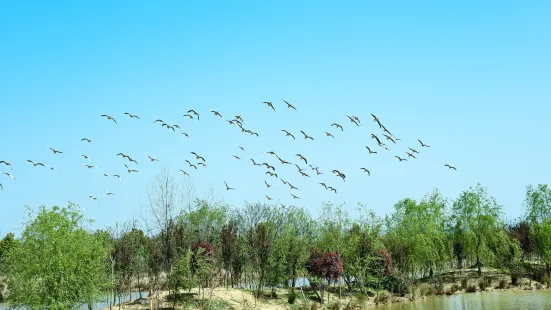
185	134
130	170
236	157
324	185
450	167
202	164
414	151
6	163
331	188
184	172
400	158
272	174
376	119
198	157
269	104
267	185
9	174
159	120
194	112
353	120
373	136
370	151
238	117
410	155
329	134
287	134
357	119
118	176
35	164
169	127
131	115
299	169
306	136
227	187
216	113
89	166
108	193
295	197
86	139
422	144
290	106
109	118
254	163
304	174
1	186
269	198
291	186
54	150
93	198
337	126
284	182
241	148
366	170
389	138
268	166
188	115
151	158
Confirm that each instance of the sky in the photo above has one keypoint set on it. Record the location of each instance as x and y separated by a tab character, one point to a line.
469	78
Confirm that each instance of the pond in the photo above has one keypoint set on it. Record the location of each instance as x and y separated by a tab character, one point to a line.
503	300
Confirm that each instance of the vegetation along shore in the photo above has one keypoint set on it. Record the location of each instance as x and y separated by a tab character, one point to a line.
207	255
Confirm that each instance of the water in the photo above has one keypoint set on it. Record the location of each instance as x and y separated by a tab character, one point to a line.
502	300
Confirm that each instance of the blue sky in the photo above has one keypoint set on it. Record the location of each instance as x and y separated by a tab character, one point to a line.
471	79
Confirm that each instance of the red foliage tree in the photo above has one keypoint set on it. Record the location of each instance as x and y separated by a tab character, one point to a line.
327	265
386	264
207	247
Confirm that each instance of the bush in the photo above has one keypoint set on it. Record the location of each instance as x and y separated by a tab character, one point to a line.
471	289
482	284
464	283
292	296
503	284
514	278
546	281
454	288
382	298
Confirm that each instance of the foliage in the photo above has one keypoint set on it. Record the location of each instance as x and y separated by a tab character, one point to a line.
58	264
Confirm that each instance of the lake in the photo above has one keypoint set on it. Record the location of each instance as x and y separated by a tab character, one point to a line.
502	300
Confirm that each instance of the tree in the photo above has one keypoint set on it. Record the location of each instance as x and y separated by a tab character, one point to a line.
538	207
6	244
477	215
58	264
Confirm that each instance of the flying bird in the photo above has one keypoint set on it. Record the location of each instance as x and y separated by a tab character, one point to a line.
337	126
331	188
108	193
373	136
287	134
109	118
9	174
353	120
89	166
410	155
1	187
269	198
202	164
414	151
131	115
366	170
35	164
194	112
185	134
188	115
86	157
151	158
86	139
269	104
159	120
329	134
400	158
254	163
272	174
184	172
198	157
370	151
51	168
376	119
290	106
236	157
324	185
306	136
130	170
450	167
267	185
93	198
389	138
241	148
422	144
216	113
295	197
54	150
227	187
6	163
118	176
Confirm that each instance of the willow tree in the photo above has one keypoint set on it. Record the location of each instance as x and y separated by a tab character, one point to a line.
477	215
538	207
58	263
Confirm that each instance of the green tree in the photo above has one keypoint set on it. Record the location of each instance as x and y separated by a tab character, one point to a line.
538	207
58	264
477	215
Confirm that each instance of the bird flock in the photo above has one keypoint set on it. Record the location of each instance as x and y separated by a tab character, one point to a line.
270	169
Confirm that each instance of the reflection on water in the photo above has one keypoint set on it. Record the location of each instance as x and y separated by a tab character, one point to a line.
502	300
507	300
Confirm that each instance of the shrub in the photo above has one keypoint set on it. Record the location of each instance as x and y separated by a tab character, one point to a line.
382	298
454	288
514	278
471	288
503	284
464	283
292	296
546	281
482	284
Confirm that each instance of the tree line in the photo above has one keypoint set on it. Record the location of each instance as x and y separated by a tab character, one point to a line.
58	262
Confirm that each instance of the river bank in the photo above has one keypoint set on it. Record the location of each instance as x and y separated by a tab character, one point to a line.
338	297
